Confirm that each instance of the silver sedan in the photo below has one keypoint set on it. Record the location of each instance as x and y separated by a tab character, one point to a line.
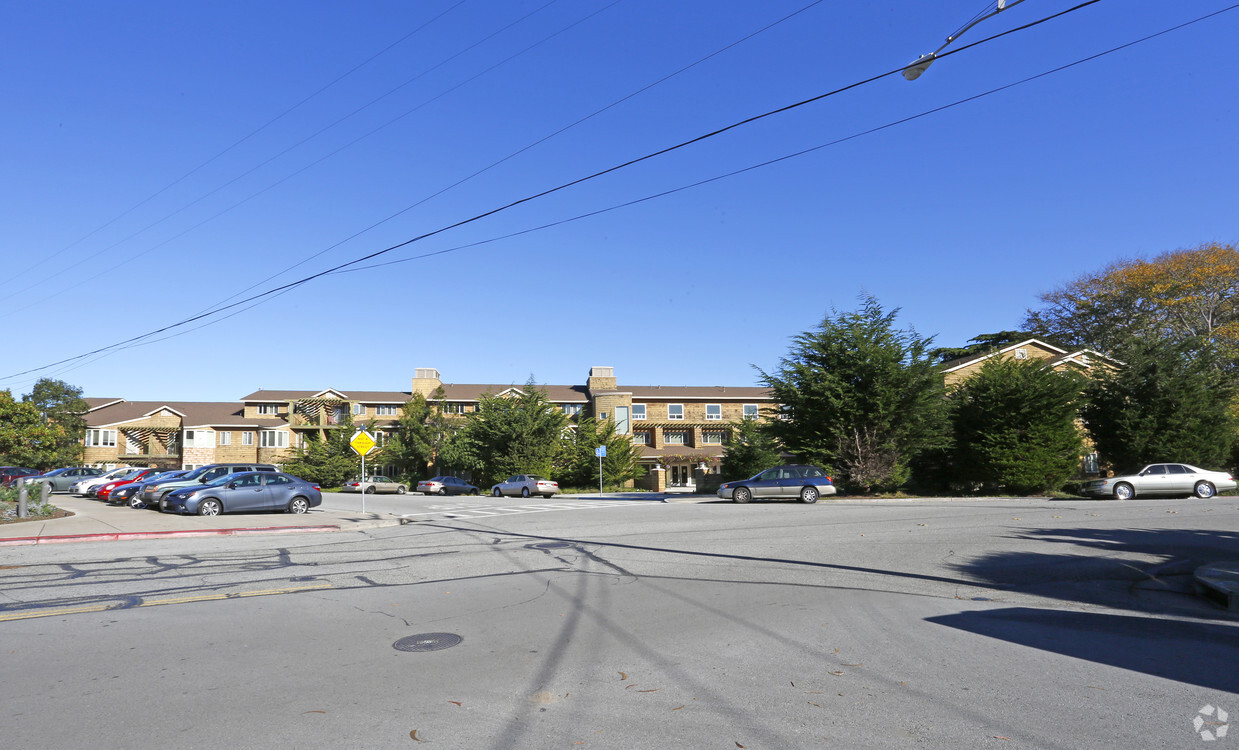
1162	479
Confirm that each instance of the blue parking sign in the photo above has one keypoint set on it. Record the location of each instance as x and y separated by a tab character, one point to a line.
601	451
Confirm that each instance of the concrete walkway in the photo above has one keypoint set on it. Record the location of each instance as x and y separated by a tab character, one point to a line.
93	521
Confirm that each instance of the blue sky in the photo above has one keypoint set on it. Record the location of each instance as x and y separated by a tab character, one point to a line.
162	159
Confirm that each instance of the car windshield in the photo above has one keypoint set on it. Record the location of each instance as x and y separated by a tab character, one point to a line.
225	479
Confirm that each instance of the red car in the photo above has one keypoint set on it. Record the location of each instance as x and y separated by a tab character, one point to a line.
10	473
104	492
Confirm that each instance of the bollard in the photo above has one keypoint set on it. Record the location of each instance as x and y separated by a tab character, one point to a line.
21	500
45	492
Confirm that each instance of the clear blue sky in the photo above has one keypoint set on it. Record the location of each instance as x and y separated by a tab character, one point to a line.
164	158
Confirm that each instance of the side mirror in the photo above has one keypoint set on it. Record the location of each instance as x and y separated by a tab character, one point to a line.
232	485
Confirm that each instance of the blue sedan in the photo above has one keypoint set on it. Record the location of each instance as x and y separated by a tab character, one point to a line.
245	491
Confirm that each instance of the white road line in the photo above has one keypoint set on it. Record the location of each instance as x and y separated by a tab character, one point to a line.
509	510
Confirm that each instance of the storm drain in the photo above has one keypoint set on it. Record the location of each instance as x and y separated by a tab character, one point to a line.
427	642
550	545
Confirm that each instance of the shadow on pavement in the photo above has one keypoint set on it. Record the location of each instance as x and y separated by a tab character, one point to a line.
1195	653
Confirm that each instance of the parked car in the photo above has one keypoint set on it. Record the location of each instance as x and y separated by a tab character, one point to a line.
84	486
245	491
104	491
1161	479
525	485
371	485
152	493
793	480
61	479
131	494
445	485
10	474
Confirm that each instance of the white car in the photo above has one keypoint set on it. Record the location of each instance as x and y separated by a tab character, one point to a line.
525	485
82	487
1162	479
371	485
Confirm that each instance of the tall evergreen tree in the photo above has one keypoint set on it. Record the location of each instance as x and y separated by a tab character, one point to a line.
518	433
1015	426
1168	402
578	463
861	397
62	405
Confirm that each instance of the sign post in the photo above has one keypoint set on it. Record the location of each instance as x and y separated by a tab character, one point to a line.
362	443
601	453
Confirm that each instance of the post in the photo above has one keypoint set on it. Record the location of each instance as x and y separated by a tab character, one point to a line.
21	499
45	491
599	475
363	483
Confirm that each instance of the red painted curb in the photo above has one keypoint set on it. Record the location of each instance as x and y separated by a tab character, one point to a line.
122	536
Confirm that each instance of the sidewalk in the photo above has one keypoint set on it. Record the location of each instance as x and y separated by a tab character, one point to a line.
93	521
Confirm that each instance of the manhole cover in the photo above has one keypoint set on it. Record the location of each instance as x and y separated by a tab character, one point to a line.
550	545
427	642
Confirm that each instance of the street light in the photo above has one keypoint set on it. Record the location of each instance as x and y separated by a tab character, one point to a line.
922	63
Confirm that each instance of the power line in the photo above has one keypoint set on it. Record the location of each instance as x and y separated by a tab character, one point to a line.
281	289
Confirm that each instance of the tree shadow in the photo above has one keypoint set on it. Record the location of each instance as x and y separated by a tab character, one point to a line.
1147	570
1195	653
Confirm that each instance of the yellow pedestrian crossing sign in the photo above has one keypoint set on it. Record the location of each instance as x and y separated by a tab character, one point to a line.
362	442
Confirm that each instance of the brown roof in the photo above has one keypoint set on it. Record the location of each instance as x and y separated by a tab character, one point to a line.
386	397
196	413
704	393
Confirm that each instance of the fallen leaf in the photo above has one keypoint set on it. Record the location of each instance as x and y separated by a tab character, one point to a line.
654	690
739	745
811	703
303	713
623	676
457	703
413	734
902	683
1015	518
920	524
1001	738
835	673
630	685
677	708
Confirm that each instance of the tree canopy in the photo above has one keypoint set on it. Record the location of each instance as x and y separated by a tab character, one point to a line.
1015	427
514	433
28	439
1168	402
751	449
1178	296
861	397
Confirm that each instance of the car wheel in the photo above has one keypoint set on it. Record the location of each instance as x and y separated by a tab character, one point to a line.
524	492
442	490
473	491
808	495
371	490
1204	490
741	495
299	505
1123	491
136	503
209	507
496	493
400	490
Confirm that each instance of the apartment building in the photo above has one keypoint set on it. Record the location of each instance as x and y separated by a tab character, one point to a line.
680	430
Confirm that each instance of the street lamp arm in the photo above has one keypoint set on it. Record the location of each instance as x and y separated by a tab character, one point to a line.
920	64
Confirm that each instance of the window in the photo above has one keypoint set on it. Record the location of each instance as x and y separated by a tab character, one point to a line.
675	437
380	438
714	412
247	438
641	437
225	438
712	437
189	438
273	439
386	410
675	411
1091	463
453	408
359	408
101	438
571	409
638	411
276	479
268	408
750	411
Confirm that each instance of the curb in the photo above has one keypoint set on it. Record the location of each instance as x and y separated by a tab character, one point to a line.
122	536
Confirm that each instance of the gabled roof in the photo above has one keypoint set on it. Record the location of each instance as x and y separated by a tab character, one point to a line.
385	397
192	414
957	364
698	393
